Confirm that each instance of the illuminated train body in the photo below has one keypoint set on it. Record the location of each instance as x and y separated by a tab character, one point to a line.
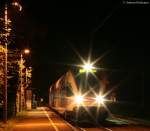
78	96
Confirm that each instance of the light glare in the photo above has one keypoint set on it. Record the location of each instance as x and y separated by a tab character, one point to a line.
88	67
100	99
17	5
79	99
26	51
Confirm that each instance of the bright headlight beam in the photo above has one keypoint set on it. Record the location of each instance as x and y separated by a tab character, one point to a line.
100	99
79	99
88	67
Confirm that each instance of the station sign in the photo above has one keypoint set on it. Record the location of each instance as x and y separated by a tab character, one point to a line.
84	70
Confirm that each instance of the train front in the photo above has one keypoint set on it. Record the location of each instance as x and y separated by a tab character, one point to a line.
91	107
91	99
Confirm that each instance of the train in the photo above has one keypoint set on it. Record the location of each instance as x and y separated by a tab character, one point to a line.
80	96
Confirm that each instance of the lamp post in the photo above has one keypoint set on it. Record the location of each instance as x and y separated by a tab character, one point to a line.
22	91
5	88
6	34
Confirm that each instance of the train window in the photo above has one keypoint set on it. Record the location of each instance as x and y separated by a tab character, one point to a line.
88	83
63	91
69	90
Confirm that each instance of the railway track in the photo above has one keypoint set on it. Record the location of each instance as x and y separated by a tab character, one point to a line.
96	129
55	118
59	124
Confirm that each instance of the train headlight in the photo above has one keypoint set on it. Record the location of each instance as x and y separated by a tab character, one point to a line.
79	99
100	99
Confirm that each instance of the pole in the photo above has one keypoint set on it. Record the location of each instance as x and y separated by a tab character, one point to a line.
143	91
26	85
5	88
21	83
26	78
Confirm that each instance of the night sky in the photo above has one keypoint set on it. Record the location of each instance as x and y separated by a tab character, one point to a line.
53	29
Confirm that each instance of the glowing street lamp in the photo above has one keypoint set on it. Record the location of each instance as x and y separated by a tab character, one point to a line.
16	4
26	51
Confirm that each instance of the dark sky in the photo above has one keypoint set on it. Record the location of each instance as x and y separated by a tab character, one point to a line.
52	28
